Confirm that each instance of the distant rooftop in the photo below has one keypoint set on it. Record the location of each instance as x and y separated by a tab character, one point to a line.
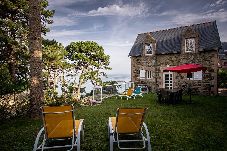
223	49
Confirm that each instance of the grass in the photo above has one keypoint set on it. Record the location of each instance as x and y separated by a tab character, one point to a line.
201	125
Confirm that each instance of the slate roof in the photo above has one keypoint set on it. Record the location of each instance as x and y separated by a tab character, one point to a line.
170	40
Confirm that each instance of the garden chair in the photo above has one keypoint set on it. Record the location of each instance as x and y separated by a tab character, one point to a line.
163	96
128	127
128	95
137	92
59	127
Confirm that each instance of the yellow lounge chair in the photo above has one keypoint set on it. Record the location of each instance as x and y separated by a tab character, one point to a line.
129	122
128	95
59	125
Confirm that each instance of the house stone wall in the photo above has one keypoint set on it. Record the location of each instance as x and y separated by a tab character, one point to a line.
157	63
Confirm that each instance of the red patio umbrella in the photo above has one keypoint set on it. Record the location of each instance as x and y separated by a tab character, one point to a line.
186	68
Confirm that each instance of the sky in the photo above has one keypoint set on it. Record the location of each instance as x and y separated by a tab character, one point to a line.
115	24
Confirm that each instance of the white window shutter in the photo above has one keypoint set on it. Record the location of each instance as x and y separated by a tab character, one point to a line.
142	74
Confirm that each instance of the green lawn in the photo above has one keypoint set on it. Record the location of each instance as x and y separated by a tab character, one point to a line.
201	125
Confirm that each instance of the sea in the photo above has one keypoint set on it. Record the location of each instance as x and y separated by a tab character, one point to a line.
122	79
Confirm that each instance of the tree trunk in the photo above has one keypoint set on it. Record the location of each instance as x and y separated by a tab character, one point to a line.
78	90
63	87
55	80
48	77
81	81
35	48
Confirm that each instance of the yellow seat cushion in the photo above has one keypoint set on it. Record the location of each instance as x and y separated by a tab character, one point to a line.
125	125
63	129
59	125
128	120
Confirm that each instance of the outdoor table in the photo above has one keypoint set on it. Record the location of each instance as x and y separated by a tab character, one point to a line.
170	96
175	95
186	68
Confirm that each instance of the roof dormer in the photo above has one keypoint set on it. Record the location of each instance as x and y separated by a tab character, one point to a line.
149	45
190	41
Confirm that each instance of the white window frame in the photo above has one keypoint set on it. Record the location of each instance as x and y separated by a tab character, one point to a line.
197	75
142	74
170	83
149	74
147	47
192	41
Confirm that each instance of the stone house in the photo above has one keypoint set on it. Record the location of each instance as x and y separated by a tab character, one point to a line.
152	52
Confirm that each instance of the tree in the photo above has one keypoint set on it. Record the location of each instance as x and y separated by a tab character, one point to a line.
222	78
54	60
55	65
5	80
89	61
35	47
14	53
12	40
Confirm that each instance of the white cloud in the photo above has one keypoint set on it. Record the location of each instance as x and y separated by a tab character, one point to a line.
63	21
190	18
220	2
97	26
73	33
64	33
124	10
64	2
59	2
219	15
118	43
217	3
180	18
117	10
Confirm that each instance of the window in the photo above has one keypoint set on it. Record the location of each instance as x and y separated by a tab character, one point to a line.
148	49
145	74
198	75
168	80
195	75
149	74
190	45
142	74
